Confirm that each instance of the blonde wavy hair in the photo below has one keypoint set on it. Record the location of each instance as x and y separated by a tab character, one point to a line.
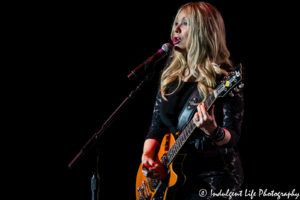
205	49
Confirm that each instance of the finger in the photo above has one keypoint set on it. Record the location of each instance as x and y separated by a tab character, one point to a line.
146	172
212	111
200	114
152	173
204	112
148	164
196	118
154	167
145	164
199	107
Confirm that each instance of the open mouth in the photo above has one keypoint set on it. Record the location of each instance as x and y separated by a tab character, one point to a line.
176	40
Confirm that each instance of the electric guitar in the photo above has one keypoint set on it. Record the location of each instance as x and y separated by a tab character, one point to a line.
152	189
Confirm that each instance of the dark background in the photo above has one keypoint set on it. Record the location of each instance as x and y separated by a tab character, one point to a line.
72	74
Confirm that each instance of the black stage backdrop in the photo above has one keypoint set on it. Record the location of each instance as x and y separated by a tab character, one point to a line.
74	75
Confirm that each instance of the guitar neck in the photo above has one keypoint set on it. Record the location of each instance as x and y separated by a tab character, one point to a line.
185	134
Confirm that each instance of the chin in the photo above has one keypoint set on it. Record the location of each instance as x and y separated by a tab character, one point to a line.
179	48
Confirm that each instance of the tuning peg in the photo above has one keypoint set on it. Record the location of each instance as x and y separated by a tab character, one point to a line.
241	85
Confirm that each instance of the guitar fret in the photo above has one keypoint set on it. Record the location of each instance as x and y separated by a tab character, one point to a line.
169	155
175	147
180	142
184	136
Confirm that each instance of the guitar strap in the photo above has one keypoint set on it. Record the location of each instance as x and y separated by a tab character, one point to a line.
188	110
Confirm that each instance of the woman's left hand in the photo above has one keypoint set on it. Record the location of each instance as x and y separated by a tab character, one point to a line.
205	120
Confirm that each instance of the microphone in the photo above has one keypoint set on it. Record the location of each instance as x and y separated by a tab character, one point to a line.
145	67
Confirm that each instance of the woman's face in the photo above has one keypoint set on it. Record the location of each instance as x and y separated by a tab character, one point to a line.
181	31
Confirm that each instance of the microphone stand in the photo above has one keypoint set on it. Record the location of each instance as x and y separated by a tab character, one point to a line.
95	180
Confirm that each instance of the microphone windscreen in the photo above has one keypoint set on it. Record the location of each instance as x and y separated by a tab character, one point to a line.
166	47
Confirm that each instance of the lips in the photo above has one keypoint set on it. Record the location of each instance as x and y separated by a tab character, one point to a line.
176	40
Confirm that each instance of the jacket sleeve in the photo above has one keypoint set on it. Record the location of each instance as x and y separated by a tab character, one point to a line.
157	128
233	111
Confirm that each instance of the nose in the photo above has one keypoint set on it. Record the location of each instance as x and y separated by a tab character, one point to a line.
177	29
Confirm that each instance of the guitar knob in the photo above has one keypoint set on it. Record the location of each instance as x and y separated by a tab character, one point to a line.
236	89
231	94
241	85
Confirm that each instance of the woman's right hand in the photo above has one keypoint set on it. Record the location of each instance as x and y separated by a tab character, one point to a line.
152	169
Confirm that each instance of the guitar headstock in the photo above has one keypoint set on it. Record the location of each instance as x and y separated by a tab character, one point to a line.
231	82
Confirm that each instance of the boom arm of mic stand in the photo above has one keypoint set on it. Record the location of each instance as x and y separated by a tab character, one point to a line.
93	140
